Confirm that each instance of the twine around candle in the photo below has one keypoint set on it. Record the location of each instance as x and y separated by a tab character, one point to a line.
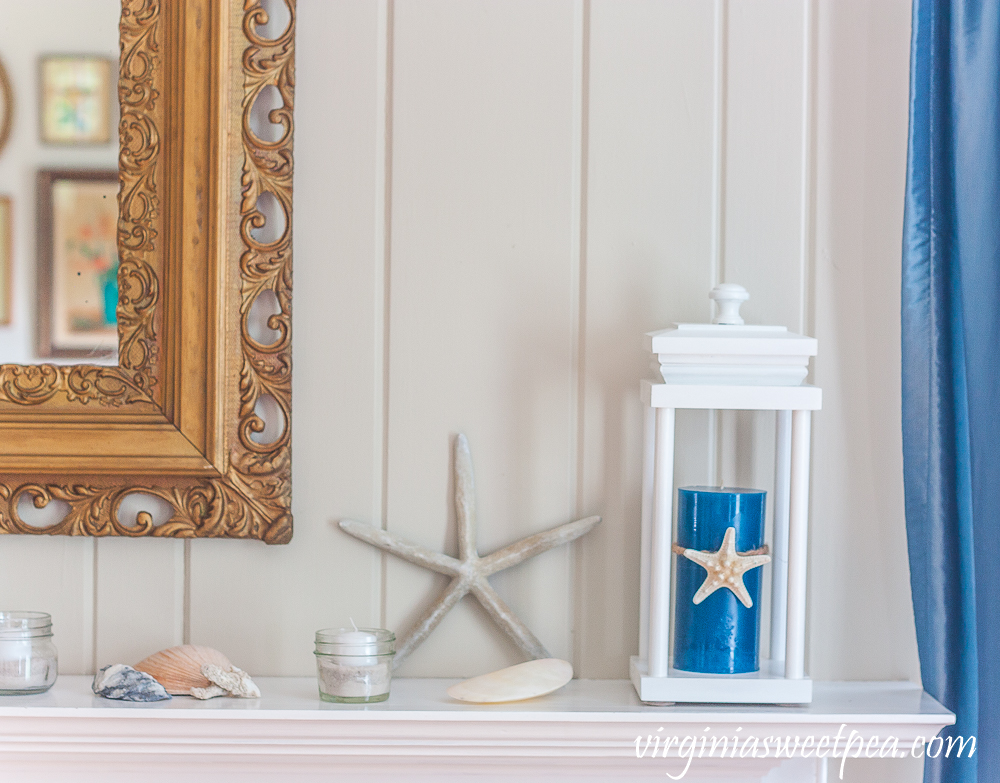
677	549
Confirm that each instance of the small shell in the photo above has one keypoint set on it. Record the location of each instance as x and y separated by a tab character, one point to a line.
231	682
178	669
515	683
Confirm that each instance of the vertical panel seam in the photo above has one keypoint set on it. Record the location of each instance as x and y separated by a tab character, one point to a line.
719	139
186	608
94	612
807	254
720	97
582	137
386	293
807	193
581	287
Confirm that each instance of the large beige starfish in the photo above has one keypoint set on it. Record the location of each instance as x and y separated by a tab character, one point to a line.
725	569
469	571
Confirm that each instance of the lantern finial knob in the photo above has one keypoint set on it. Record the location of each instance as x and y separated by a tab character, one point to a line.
728	297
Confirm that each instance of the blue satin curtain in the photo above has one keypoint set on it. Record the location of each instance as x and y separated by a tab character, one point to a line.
951	369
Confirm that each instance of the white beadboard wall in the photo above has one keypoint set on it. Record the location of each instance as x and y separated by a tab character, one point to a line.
493	202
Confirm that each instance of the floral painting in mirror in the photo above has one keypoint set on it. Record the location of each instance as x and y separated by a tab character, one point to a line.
6	248
75	102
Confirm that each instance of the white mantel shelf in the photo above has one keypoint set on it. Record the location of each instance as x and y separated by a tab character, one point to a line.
588	728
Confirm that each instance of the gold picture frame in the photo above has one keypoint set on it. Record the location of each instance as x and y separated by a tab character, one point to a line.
182	416
75	99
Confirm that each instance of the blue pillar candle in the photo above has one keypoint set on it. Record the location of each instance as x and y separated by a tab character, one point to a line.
719	634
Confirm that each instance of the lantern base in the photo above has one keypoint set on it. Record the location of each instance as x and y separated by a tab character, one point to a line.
762	687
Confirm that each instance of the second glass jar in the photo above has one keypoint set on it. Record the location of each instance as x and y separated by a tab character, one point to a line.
354	665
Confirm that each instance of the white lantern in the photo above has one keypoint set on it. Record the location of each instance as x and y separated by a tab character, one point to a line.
728	365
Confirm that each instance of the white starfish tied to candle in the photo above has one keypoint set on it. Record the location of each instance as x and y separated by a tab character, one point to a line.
469	571
725	568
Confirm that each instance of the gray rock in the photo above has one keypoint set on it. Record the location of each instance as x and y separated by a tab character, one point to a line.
124	683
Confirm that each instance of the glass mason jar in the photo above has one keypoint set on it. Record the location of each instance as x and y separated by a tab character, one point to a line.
28	659
354	665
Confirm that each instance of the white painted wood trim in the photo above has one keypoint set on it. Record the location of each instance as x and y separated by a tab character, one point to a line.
646	524
865	706
746	398
779	568
798	546
588	728
765	686
662	538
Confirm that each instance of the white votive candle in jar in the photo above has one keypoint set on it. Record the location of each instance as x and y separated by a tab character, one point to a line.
11	650
354	665
360	646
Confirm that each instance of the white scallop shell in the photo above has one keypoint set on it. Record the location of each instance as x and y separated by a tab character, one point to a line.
178	669
515	683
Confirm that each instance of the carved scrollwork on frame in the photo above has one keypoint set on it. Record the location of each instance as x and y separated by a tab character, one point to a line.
266	266
139	92
215	509
33	384
155	433
36	384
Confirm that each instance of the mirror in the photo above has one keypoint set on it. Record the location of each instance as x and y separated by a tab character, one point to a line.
58	177
145	222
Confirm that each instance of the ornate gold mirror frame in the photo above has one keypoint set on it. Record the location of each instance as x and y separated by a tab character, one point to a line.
180	417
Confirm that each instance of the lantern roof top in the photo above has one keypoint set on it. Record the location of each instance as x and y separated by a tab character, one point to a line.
728	339
729	351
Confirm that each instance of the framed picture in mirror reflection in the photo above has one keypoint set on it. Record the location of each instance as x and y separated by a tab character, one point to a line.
75	105
77	257
6	249
6	107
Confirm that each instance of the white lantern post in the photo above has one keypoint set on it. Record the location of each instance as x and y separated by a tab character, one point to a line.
720	366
